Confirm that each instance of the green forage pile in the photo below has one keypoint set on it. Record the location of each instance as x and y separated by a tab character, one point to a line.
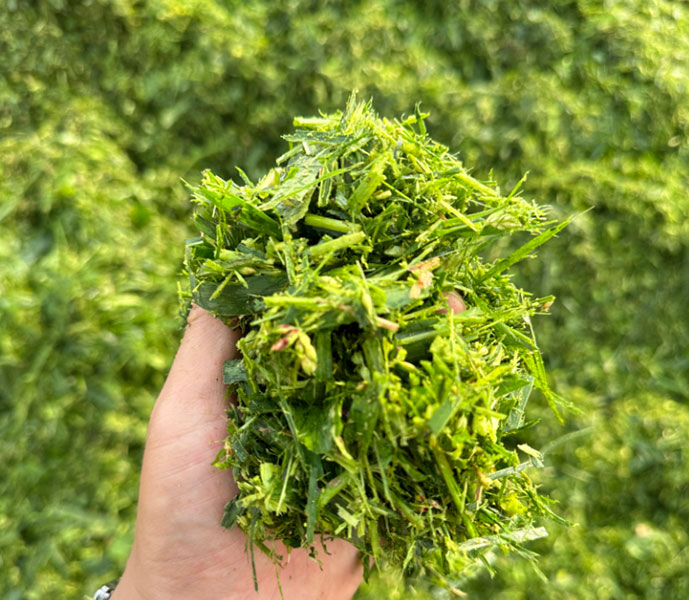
365	409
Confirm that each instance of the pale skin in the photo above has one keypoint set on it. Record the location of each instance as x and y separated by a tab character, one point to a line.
180	549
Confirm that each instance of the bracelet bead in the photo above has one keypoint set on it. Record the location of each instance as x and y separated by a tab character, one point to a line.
105	591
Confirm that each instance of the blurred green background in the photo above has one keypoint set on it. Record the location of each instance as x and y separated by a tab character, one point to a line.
106	104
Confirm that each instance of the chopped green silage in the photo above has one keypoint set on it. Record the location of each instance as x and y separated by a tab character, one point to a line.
365	409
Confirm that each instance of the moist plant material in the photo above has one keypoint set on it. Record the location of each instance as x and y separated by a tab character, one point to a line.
365	409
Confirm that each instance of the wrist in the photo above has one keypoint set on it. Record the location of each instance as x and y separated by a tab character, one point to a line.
127	589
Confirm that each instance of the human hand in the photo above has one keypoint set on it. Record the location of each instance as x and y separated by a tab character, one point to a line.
180	549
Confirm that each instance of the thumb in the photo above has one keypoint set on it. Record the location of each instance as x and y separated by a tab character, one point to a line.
180	493
193	397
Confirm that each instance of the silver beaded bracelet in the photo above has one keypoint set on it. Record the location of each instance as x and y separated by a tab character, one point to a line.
105	591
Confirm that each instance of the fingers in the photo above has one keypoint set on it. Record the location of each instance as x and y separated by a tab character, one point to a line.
455	302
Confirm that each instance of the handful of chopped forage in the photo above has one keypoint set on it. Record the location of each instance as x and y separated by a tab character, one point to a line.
365	409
